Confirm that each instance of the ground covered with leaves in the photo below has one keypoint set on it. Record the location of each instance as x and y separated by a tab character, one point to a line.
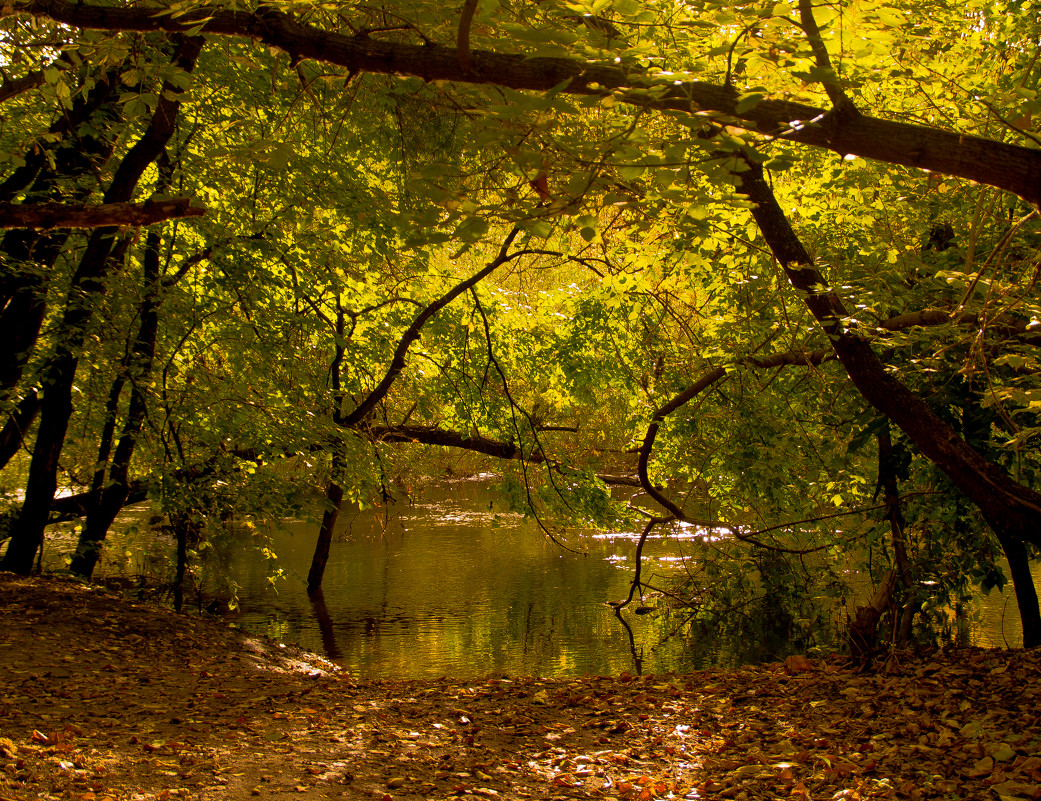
102	698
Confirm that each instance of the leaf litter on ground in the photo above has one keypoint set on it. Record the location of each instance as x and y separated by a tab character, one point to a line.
104	699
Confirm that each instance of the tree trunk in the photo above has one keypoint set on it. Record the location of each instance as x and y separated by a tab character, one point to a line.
333	502
1026	593
13	433
108	498
29	255
904	594
186	532
863	629
87	284
1012	510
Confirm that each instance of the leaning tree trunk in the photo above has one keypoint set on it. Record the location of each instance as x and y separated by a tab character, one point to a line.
333	503
108	497
28	254
1012	510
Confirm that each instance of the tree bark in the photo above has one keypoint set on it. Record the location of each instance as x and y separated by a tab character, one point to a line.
186	532
1023	585
1016	169
13	433
28	255
904	590
80	215
333	503
108	498
1010	508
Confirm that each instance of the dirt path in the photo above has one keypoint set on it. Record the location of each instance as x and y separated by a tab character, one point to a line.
101	698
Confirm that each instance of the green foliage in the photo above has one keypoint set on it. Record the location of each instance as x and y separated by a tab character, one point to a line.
340	206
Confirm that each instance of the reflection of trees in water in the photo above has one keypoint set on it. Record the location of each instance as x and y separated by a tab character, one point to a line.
765	609
637	653
325	625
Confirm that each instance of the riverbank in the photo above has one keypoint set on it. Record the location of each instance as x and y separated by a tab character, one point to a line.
102	698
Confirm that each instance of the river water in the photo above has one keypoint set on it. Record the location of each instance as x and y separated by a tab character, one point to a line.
453	584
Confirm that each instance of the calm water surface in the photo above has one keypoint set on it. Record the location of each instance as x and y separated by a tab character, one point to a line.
453	584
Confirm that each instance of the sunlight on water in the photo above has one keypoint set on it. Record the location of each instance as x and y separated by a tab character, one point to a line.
455	584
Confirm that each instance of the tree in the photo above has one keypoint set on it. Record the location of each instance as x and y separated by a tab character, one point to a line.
651	151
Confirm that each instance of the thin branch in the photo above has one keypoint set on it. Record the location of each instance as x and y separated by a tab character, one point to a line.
843	105
411	334
636	583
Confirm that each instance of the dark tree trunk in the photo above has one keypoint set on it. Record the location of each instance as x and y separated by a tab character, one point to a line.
1012	510
186	532
107	498
904	595
1026	593
13	433
333	502
87	284
29	255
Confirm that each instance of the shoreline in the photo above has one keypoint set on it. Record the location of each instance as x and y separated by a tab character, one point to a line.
105	698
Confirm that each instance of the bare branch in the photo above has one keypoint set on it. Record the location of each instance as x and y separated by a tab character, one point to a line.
82	215
397	363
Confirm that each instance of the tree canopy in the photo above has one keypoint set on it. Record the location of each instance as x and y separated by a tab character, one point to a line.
775	262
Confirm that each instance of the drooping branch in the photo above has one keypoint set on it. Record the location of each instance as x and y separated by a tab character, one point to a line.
83	215
1010	167
647	446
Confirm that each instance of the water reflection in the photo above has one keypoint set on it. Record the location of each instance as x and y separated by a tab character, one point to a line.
453	585
456	585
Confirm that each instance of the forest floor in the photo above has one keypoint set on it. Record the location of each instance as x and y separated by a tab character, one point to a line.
102	698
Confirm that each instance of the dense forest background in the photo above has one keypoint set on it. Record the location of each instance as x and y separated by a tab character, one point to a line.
776	264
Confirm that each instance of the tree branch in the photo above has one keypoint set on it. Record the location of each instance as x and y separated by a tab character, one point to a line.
1010	167
82	215
411	334
1010	508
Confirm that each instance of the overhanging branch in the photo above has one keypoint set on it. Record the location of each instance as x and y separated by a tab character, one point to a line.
82	215
1010	167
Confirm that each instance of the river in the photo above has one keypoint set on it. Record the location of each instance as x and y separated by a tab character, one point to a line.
454	584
